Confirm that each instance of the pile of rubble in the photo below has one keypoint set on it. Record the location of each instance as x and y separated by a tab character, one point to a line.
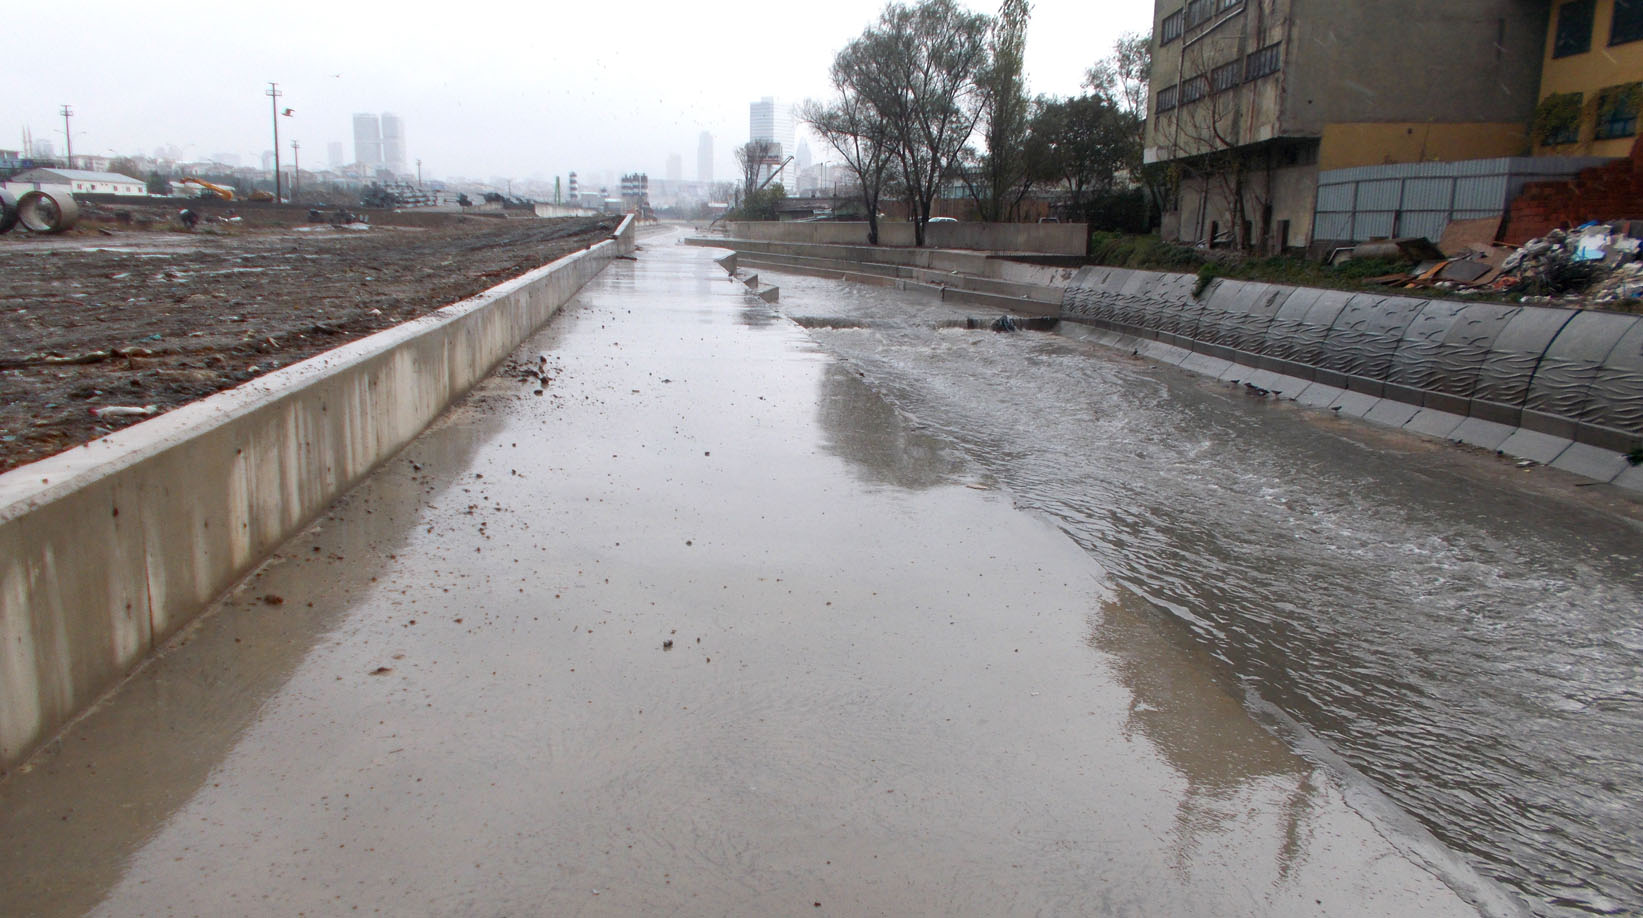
1596	264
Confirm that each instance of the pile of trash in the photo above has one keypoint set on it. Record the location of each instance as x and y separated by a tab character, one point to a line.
1594	264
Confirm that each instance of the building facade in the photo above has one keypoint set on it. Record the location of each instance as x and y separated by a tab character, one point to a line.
367	141
1251	98
1591	79
704	158
772	121
79	181
393	144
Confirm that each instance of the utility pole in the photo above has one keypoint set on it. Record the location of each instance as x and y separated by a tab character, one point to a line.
296	168
273	95
68	137
419	173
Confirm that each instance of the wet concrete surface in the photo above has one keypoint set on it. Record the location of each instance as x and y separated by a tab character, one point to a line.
705	628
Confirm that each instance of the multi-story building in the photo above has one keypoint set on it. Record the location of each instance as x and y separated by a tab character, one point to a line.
675	167
367	141
1251	98
1590	79
393	144
704	158
771	121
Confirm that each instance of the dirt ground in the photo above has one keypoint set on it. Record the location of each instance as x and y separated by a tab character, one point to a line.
142	315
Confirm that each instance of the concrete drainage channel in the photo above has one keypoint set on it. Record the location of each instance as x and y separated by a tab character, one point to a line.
1553	387
109	549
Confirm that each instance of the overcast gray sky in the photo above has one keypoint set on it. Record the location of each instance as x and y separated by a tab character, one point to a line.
485	88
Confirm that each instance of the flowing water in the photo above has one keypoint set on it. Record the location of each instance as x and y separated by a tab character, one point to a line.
1472	647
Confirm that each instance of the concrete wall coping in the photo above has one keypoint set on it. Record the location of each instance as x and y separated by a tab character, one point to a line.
110	548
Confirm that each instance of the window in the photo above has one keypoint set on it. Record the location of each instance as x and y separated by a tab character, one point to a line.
1198	11
1617	111
1166	99
1264	62
1628	22
1557	118
1226	76
1574	28
1229	4
1194	89
1171	28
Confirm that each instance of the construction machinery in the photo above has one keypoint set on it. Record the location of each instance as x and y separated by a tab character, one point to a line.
227	194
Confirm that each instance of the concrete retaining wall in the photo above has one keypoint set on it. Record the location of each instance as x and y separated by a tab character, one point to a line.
1562	387
1043	238
108	549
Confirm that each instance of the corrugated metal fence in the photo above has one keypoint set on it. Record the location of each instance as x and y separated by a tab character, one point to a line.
1419	199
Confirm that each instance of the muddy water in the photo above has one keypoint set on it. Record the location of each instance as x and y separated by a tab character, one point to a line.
888	690
1469	643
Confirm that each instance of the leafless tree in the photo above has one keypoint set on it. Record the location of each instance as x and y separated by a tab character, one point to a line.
917	68
752	158
855	129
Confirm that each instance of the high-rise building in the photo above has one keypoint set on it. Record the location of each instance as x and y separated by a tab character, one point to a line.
772	121
704	158
333	154
675	167
367	141
393	143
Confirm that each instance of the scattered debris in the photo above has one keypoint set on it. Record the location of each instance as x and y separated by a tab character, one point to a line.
125	411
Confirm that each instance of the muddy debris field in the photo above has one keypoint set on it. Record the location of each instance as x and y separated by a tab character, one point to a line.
104	329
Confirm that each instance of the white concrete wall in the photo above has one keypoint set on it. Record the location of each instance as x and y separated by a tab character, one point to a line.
108	549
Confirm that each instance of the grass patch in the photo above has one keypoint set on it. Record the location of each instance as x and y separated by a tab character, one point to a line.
1150	253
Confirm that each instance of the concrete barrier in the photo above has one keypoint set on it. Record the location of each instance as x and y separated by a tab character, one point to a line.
1563	387
1042	238
110	548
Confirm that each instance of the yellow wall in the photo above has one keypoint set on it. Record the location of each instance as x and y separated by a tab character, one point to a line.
1377	144
1599	68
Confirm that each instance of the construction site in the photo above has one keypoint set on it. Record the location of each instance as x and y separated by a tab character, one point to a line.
143	307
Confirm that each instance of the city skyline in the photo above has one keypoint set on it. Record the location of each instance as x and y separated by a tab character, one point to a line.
620	105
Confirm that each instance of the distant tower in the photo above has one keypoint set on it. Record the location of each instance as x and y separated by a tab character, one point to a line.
770	120
575	192
675	167
704	158
333	154
367	141
393	143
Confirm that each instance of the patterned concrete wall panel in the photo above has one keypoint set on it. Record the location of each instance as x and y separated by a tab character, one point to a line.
1464	350
1250	331
1366	335
1557	396
1181	313
1227	307
1078	299
1616	397
1504	378
1297	332
1418	362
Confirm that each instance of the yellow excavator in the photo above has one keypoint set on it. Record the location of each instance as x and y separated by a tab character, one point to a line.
227	194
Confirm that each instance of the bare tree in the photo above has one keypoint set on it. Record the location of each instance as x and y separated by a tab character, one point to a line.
752	158
855	129
998	179
1204	138
918	68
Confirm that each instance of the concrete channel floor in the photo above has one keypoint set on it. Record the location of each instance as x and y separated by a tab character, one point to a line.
887	693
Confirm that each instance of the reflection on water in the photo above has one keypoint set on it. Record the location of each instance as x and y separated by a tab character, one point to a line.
863	428
1205	735
1472	648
